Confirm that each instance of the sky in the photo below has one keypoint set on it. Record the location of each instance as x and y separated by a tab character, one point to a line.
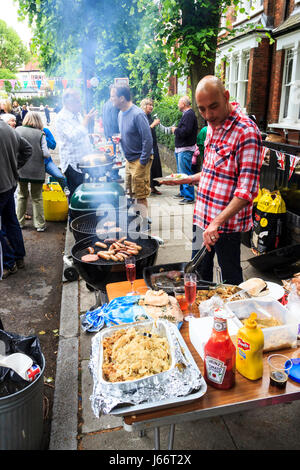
8	13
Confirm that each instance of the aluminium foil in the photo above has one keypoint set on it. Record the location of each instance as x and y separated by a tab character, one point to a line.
180	380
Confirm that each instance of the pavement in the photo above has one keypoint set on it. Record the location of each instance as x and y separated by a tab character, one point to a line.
75	427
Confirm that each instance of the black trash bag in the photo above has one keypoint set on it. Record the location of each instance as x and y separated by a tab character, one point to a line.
10	381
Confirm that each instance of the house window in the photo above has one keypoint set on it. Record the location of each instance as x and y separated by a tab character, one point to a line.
248	8
236	76
290	96
287	82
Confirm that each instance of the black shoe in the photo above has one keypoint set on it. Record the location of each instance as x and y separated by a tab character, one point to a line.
8	271
178	196
186	201
20	263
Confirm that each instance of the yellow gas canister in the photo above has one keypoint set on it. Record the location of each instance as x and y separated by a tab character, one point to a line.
249	351
55	203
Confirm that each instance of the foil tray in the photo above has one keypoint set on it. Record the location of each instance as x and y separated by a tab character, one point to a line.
182	385
159	327
167	403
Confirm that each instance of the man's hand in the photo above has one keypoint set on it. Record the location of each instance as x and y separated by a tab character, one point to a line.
89	116
211	235
173	129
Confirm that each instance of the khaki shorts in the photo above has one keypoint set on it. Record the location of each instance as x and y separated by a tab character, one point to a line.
137	179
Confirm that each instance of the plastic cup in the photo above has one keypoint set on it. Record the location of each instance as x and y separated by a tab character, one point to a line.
180	297
279	368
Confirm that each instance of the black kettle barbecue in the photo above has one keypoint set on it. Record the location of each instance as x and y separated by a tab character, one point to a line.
106	224
101	272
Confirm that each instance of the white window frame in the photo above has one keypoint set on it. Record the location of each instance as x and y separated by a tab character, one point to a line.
291	114
236	80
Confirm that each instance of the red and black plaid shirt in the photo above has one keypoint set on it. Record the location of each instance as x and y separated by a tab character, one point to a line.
231	167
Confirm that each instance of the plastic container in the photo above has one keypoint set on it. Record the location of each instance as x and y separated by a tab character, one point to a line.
250	345
55	203
275	337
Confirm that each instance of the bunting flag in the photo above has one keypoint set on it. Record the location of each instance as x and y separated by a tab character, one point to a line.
281	159
51	84
293	163
294	160
93	82
263	153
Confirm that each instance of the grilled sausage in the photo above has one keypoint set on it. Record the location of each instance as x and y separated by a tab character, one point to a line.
101	245
91	250
89	258
104	255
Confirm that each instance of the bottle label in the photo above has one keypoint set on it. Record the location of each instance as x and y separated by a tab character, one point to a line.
243	345
215	369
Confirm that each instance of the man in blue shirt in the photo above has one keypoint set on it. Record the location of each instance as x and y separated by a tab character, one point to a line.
136	141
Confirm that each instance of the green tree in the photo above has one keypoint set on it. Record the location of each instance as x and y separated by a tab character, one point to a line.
13	52
86	37
188	29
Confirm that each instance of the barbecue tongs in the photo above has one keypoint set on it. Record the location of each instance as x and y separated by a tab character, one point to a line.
192	265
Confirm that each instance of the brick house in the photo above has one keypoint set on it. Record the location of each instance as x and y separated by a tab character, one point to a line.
263	74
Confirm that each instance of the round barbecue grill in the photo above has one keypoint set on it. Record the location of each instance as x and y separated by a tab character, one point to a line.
91	197
101	272
103	224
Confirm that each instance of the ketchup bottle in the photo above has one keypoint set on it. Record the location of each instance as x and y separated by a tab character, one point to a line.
219	355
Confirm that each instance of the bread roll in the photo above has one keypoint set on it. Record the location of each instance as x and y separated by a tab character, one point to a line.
254	286
157	298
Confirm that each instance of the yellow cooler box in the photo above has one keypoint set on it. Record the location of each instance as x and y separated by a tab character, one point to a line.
55	203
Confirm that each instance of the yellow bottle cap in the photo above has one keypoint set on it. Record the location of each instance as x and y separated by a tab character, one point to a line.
250	322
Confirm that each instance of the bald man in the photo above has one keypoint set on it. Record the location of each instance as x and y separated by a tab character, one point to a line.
185	145
228	182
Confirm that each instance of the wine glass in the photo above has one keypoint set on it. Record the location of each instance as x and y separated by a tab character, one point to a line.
131	272
190	288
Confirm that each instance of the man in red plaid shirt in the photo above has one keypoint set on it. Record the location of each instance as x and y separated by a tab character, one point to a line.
228	182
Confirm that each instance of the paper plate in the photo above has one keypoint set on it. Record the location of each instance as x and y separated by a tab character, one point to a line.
275	290
172	177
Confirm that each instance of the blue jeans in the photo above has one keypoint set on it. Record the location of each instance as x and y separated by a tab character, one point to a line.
11	237
228	251
184	165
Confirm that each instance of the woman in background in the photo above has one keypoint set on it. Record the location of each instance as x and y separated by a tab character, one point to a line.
33	171
156	171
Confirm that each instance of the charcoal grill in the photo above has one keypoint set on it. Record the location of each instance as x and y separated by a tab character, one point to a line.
94	224
91	197
101	272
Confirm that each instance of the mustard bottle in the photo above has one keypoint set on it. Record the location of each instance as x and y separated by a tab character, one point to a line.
250	345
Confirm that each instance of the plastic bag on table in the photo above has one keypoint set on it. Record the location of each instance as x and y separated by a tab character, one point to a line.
208	307
293	300
120	310
10	381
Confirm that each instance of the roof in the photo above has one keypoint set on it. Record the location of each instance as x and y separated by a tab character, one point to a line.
292	23
260	24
